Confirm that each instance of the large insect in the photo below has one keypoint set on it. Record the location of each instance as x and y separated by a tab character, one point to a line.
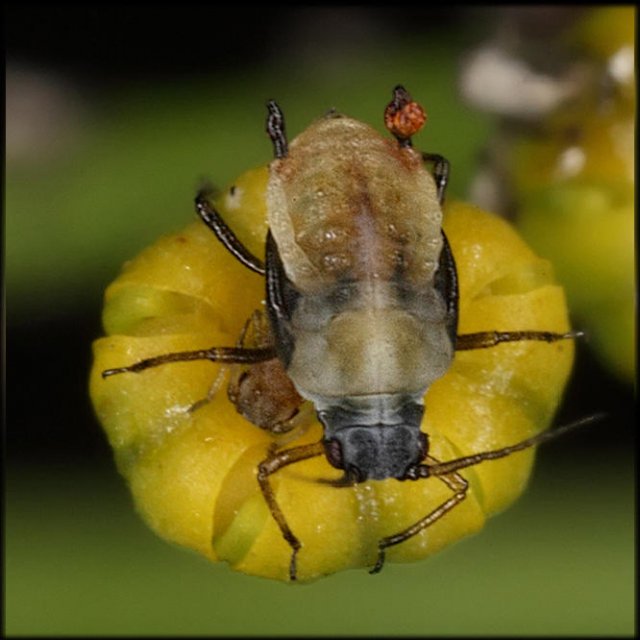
362	306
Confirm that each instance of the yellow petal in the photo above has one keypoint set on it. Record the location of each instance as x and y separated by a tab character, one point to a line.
193	472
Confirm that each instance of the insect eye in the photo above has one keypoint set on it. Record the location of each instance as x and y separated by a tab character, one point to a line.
333	451
355	474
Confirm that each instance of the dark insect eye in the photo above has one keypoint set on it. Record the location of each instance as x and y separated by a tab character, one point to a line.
333	451
355	474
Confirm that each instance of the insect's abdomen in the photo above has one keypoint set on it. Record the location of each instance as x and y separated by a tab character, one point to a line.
348	204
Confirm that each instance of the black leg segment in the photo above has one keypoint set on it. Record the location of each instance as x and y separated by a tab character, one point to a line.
440	172
275	129
214	221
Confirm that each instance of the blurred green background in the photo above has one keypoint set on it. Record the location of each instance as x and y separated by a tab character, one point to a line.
114	115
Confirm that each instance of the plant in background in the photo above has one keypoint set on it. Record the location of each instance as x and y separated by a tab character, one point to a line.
562	164
252	477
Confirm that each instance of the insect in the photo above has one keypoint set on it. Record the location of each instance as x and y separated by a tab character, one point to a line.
362	308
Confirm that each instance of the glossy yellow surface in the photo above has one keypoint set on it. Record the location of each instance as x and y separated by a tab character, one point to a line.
193	473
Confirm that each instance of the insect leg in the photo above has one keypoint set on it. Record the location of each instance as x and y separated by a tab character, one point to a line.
487	339
213	389
215	354
456	483
214	221
446	471
269	466
217	383
444	468
440	172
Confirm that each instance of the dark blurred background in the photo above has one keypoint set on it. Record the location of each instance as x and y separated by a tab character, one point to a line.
113	115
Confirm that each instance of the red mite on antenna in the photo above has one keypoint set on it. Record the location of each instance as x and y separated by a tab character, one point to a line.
403	117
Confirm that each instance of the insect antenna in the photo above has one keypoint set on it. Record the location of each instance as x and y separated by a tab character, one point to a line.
443	468
275	129
216	354
403	116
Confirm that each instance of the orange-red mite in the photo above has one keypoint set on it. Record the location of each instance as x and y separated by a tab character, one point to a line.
403	117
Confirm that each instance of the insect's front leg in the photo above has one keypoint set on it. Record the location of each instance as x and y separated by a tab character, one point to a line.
455	482
210	216
276	461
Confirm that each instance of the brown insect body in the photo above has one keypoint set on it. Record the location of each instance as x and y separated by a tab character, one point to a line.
357	224
265	396
263	393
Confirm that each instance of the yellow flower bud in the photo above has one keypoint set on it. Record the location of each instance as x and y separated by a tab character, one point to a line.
192	472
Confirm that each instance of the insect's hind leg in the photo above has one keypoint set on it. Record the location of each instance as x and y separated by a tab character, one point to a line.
440	172
276	130
214	221
222	373
487	339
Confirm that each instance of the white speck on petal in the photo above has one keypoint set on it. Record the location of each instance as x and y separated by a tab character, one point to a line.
621	65
368	507
176	411
233	199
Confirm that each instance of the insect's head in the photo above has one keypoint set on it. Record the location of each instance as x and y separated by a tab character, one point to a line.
374	438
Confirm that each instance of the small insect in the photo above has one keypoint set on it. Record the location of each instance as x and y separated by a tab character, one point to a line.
362	307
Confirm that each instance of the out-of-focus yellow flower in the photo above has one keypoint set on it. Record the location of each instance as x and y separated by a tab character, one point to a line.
574	182
193	473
